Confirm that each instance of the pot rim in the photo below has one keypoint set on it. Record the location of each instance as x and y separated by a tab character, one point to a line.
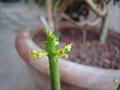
71	73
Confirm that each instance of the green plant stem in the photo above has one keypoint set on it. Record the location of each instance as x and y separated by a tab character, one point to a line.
53	64
54	74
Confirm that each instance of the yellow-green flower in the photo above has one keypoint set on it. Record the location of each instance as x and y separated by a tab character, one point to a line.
42	54
60	52
65	56
37	54
116	81
68	47
34	51
34	57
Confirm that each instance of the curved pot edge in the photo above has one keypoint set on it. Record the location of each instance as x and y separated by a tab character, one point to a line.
90	77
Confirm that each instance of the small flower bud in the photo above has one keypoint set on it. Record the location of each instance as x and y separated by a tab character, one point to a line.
60	52
34	51
56	57
38	55
42	54
65	56
116	81
68	47
34	57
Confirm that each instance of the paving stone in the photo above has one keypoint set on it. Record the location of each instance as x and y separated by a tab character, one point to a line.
13	71
12	16
5	21
14	8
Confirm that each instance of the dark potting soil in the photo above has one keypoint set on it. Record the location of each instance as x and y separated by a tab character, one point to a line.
90	52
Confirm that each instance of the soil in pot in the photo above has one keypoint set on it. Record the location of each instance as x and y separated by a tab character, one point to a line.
91	52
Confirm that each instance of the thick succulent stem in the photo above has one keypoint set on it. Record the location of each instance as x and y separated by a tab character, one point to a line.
54	74
53	64
53	55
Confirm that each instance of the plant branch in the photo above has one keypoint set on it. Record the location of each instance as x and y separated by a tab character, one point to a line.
45	23
104	29
56	5
49	12
64	6
56	20
100	13
86	22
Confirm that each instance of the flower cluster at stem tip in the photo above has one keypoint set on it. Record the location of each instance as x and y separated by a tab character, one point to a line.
59	52
51	35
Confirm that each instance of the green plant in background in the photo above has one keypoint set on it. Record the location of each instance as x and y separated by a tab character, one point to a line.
53	54
118	82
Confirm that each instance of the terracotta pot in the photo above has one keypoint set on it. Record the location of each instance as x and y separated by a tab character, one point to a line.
73	76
